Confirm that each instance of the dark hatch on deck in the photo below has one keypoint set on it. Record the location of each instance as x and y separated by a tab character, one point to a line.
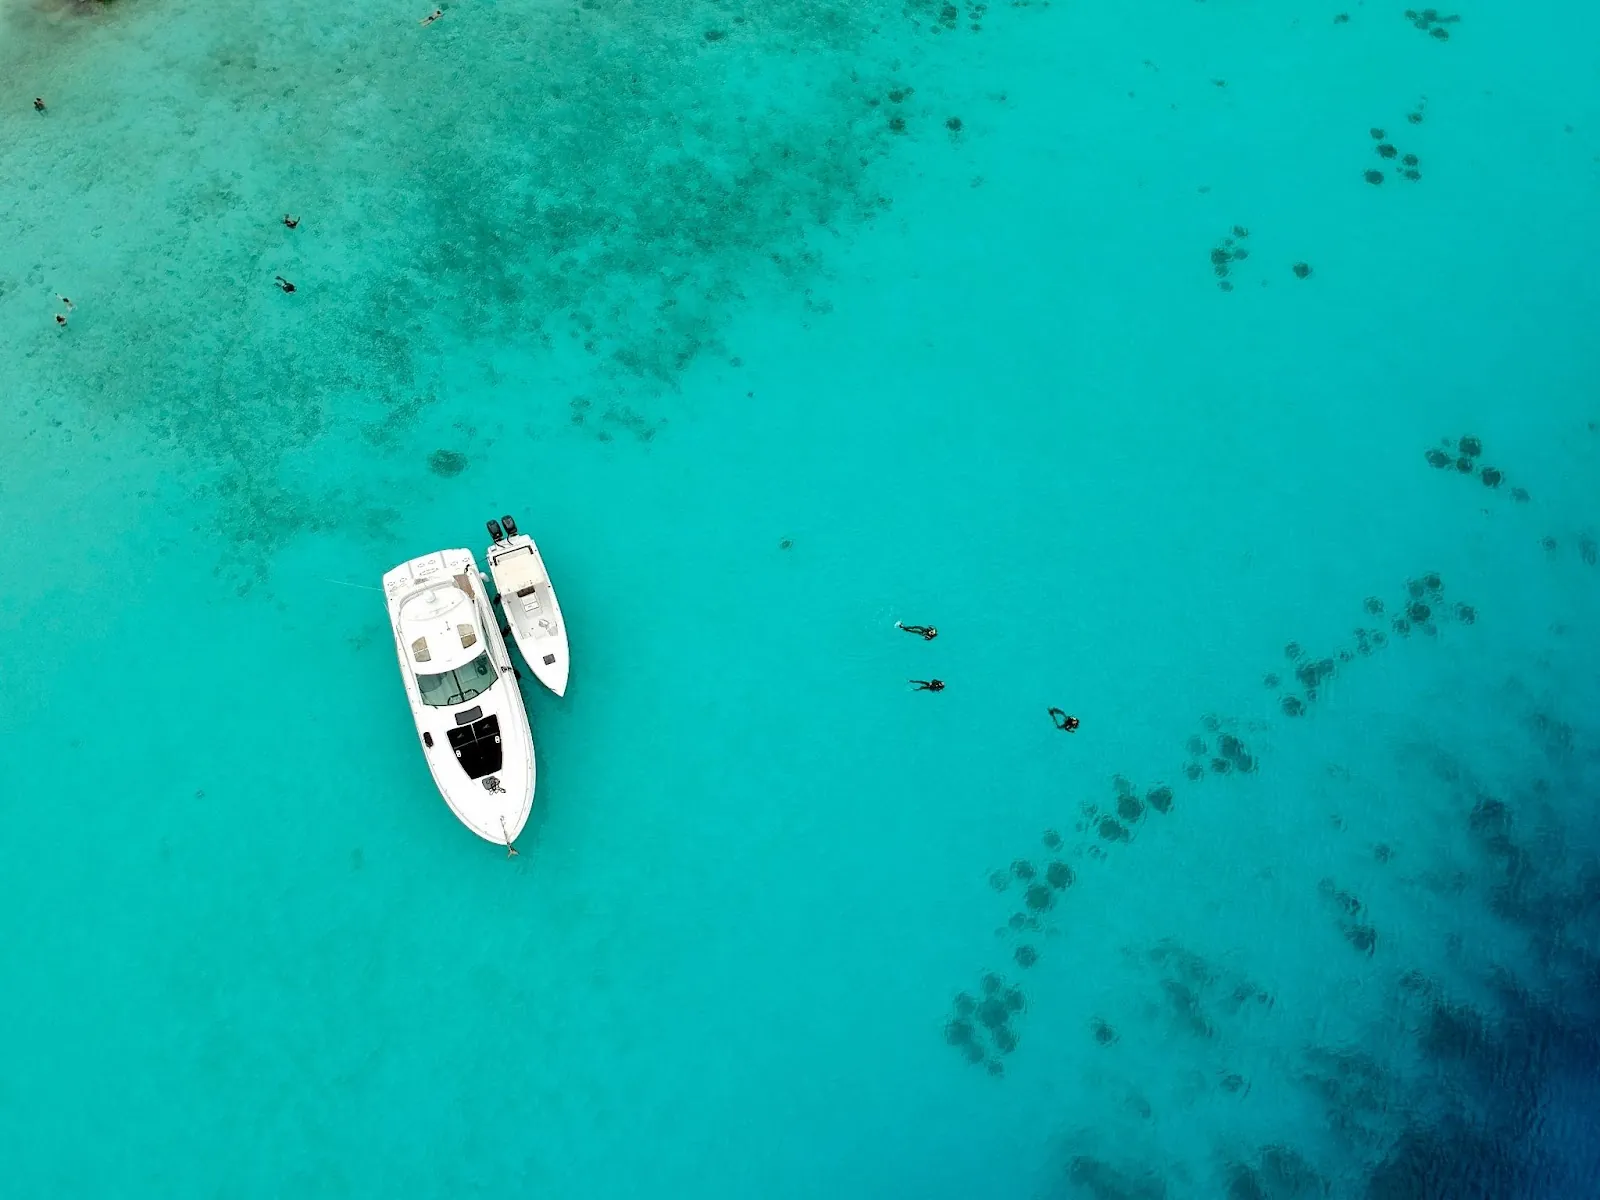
477	747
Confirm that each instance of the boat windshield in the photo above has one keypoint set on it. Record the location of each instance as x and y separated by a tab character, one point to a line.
450	688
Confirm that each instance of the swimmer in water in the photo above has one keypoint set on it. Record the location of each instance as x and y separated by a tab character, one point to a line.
61	318
928	632
1065	723
291	222
927	685
432	17
284	283
38	104
64	300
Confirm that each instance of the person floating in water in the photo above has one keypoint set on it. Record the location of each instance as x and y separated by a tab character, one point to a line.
64	300
284	283
432	17
928	632
1064	722
927	685
38	104
61	318
291	222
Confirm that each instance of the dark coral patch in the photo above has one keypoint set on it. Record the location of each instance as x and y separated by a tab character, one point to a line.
1160	799
1058	875
993	1013
1363	937
1039	898
1113	830
447	462
1026	956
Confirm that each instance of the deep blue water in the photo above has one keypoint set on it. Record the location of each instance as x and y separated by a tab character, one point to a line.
775	326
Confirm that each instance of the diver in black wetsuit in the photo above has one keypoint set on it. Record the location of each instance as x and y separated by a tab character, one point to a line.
927	685
1065	723
927	632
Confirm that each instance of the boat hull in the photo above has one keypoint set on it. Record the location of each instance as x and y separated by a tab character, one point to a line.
532	611
479	749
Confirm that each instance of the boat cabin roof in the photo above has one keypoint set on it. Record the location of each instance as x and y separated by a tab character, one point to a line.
518	570
439	626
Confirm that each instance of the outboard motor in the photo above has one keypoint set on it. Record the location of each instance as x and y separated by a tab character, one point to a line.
494	530
511	526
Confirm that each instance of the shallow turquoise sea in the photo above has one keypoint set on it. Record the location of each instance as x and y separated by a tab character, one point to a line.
776	325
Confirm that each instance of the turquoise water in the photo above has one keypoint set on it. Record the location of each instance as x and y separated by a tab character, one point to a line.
776	326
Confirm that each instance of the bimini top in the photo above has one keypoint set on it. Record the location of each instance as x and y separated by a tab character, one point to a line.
519	569
438	625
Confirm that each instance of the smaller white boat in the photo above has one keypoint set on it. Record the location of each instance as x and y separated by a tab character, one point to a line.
529	602
463	692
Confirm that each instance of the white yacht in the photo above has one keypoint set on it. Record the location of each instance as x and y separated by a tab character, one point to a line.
463	692
529	602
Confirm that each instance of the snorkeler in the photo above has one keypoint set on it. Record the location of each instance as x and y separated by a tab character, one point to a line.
432	17
61	318
928	632
927	685
284	283
38	104
1063	722
291	222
